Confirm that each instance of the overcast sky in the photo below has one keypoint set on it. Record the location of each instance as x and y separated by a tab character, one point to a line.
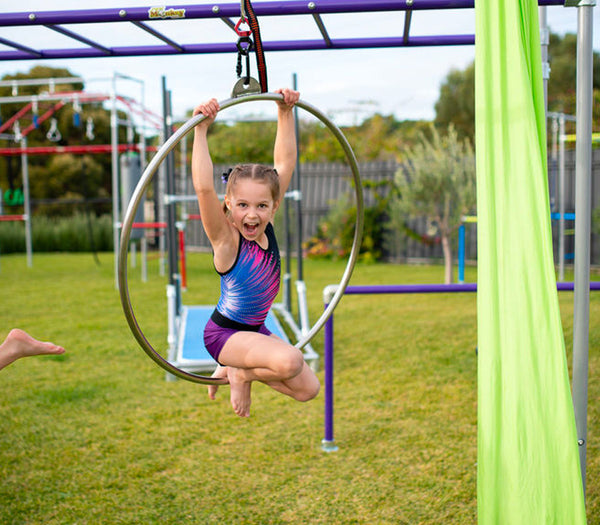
346	84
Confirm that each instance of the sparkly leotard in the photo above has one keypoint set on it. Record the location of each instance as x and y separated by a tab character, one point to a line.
249	288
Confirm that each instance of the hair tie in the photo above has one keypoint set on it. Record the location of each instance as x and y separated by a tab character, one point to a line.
225	175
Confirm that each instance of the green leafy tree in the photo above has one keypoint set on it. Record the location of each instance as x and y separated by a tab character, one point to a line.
67	177
378	137
335	233
456	103
242	142
437	181
317	144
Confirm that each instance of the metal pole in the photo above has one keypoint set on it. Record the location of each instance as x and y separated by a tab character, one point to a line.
143	151
26	202
170	188
461	253
159	209
303	321
328	441
583	208
552	165
545	41
561	198
297	187
114	141
287	276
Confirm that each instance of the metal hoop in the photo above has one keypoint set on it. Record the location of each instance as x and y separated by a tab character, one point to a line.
141	189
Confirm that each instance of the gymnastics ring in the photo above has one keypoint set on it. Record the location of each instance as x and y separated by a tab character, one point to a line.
143	184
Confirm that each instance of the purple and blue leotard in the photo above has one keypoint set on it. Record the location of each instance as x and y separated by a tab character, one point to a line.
248	290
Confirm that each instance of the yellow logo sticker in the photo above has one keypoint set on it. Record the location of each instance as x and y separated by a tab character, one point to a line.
163	12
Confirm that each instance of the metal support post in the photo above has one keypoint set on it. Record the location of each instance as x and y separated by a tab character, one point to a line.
26	203
583	214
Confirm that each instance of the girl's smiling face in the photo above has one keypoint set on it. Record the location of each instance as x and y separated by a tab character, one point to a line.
252	207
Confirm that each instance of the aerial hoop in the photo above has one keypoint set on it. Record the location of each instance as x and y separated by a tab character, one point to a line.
141	188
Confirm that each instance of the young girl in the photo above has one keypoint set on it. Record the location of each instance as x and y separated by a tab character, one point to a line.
246	256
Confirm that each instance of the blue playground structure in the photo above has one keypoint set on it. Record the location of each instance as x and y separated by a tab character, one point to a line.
190	353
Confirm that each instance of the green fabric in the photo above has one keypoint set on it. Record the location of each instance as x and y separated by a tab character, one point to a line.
528	461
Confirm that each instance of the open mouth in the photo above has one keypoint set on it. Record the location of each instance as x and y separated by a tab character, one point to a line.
250	229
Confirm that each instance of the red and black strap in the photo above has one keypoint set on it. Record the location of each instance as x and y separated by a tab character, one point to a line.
258	47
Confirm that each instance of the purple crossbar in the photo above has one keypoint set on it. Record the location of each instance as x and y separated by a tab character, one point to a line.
141	15
410	288
328	440
301	7
230	47
436	288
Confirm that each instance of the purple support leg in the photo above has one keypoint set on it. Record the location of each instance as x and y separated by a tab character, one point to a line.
328	443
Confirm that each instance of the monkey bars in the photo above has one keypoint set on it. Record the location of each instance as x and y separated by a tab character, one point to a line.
146	18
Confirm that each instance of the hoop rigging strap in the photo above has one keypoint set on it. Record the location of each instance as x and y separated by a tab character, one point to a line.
258	47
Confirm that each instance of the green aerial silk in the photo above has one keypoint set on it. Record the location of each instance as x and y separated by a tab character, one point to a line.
528	462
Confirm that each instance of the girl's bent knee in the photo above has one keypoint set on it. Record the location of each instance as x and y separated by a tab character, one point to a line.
309	393
290	365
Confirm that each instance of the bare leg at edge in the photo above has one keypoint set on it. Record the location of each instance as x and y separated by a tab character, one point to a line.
20	344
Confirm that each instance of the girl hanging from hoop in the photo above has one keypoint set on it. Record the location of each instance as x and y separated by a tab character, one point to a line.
246	256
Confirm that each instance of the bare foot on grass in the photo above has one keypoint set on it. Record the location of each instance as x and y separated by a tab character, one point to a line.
20	344
221	372
240	391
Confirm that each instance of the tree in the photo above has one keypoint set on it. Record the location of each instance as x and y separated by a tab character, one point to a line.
456	103
378	137
437	181
242	142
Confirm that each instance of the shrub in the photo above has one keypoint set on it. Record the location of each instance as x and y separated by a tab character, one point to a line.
79	233
335	233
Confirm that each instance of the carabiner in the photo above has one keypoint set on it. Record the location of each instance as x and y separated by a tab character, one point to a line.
244	50
241	32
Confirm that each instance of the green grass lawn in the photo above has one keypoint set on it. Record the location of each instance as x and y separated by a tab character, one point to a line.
97	436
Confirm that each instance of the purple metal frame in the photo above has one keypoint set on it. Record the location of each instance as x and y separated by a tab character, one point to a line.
143	17
328	442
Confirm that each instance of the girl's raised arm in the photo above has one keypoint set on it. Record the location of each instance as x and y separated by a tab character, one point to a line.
214	221
285	152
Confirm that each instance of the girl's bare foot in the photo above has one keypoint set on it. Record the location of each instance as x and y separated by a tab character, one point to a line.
20	344
25	346
221	371
240	391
